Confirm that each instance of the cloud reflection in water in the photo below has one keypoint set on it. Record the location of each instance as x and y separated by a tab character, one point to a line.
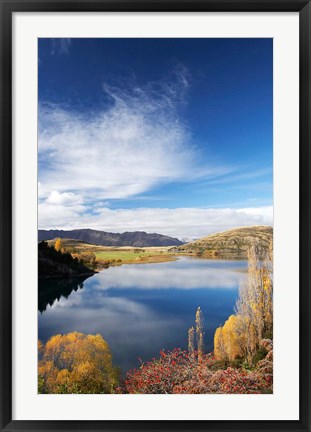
140	309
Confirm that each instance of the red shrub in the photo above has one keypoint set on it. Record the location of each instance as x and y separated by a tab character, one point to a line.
178	372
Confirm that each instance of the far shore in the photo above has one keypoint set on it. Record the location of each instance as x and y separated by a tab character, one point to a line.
102	257
148	260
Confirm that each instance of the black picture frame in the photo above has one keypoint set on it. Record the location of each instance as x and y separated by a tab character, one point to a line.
8	7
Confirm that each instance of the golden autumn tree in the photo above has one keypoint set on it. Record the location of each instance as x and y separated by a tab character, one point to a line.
228	344
242	332
255	302
219	345
58	244
40	348
77	363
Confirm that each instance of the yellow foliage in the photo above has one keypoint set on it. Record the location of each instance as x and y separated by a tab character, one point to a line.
58	245
77	363
241	333
227	341
40	347
219	346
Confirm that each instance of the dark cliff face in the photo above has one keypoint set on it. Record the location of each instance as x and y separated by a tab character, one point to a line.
102	238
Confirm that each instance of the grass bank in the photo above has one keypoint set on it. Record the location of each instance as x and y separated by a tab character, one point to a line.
105	256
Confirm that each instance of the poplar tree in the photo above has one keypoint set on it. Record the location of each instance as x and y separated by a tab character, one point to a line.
58	244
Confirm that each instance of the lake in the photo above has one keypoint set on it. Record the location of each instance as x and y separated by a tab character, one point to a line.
140	309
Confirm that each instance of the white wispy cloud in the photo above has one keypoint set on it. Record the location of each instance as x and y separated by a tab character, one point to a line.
179	222
65	198
244	174
60	45
135	144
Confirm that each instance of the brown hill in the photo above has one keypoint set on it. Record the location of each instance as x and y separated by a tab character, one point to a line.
232	243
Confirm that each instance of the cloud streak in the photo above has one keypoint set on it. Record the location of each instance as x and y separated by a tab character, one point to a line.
136	144
60	45
179	222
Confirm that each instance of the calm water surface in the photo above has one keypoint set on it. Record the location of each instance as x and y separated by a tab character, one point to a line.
141	309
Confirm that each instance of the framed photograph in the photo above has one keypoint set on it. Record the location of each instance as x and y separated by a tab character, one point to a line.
155	215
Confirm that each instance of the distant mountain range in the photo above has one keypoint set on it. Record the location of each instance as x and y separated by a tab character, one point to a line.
234	242
102	238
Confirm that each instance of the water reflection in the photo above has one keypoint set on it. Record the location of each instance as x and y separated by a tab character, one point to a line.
140	309
51	290
185	273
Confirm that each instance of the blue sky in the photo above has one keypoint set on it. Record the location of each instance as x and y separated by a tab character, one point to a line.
161	135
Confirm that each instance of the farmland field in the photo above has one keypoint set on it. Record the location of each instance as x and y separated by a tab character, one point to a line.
117	255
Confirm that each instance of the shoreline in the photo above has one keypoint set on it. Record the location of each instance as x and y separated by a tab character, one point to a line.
152	260
170	258
157	259
67	276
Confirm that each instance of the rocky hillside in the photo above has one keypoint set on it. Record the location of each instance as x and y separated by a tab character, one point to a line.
232	243
102	238
53	263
